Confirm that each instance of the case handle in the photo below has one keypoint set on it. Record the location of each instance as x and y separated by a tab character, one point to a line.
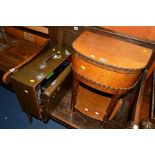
44	63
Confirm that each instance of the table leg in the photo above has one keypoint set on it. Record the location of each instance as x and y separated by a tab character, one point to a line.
74	91
110	109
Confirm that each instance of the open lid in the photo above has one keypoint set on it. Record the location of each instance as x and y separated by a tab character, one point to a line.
112	52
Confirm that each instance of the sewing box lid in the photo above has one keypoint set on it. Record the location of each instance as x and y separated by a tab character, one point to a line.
110	51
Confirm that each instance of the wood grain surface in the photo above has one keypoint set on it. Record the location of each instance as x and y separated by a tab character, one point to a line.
20	47
112	51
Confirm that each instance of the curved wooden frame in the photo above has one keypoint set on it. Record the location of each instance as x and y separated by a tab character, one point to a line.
7	75
41	42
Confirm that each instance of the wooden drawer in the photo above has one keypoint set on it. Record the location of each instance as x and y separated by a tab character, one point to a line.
54	93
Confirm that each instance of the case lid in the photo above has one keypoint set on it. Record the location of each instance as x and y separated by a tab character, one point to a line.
112	52
43	66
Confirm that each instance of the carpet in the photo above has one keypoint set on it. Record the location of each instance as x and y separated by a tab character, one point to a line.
12	116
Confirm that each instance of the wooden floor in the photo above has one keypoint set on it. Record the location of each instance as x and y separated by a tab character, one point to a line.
15	52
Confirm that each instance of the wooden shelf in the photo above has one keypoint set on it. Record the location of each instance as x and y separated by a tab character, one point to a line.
63	115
